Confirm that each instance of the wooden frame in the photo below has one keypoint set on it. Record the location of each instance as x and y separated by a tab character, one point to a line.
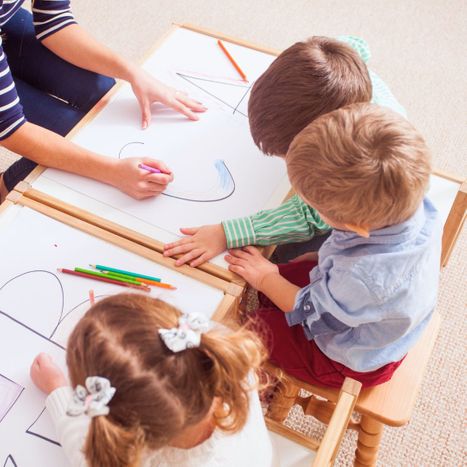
149	242
227	309
456	217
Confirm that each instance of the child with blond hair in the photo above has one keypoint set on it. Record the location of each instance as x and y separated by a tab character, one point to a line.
155	387
364	304
307	80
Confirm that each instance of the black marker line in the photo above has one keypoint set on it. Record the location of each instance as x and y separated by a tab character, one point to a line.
17	397
31	272
212	95
10	458
241	100
32	433
128	144
183	75
32	330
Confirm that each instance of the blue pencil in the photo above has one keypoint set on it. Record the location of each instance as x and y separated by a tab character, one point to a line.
125	273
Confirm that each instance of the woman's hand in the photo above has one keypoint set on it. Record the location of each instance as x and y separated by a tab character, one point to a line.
148	90
46	375
137	182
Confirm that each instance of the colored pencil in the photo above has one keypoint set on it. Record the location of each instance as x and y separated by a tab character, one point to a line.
149	168
162	285
92	299
117	275
103	279
234	63
125	273
101	274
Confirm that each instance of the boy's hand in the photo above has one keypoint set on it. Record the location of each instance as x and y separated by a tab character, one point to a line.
250	264
46	375
201	244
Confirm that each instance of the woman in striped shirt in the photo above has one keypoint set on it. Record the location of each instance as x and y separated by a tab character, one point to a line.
51	74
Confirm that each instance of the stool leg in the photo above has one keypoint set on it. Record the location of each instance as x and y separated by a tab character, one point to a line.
283	400
369	437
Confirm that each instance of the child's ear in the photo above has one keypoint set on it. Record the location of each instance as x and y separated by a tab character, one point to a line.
359	230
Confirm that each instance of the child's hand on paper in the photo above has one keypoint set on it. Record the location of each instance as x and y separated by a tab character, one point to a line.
250	264
200	245
140	183
148	90
46	375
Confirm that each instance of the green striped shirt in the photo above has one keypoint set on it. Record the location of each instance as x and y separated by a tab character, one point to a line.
381	94
295	221
292	221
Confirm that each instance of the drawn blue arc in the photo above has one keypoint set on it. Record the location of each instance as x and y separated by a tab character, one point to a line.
226	182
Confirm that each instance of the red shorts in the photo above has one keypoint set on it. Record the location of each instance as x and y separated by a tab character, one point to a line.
295	354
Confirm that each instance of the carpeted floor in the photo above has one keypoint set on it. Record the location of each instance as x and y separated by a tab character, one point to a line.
419	48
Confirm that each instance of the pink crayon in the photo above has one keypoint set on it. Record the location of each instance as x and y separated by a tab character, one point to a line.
150	169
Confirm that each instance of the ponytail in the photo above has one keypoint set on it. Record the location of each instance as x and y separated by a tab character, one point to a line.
108	444
236	356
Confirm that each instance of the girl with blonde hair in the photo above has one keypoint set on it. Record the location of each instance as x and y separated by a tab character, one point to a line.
155	387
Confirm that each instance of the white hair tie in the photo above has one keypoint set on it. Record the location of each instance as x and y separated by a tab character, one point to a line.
188	333
91	400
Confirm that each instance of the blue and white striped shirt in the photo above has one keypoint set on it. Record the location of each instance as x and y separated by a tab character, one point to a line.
49	16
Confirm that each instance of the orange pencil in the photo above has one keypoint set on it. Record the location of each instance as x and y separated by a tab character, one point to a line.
163	285
234	63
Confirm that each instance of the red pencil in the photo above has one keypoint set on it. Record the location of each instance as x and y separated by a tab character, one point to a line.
234	63
104	279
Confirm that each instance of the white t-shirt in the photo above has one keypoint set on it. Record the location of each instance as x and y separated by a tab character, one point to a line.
249	447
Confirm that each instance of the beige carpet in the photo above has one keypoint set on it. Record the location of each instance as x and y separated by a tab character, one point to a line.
420	49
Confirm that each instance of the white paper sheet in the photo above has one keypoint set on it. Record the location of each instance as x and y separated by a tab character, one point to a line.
40	306
219	172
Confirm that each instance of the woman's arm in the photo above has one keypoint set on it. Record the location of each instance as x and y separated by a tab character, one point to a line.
49	149
76	46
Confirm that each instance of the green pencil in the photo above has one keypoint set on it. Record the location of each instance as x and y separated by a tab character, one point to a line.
122	276
124	273
101	274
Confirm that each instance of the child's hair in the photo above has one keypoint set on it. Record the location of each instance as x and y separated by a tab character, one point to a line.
362	164
158	393
307	80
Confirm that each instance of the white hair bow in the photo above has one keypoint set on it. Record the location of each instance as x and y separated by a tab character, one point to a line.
91	400
188	333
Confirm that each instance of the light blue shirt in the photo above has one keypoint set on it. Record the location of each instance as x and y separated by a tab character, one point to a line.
369	299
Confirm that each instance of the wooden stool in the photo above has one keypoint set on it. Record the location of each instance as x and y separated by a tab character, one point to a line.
389	404
298	450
